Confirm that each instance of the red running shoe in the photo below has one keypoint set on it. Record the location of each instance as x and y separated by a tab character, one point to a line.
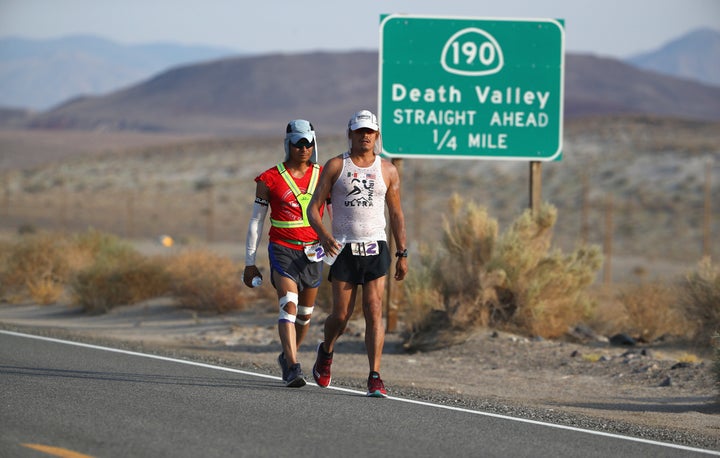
376	387
321	369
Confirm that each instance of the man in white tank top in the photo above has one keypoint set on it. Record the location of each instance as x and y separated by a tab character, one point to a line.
360	184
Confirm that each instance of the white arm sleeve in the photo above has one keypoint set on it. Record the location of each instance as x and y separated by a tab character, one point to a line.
255	227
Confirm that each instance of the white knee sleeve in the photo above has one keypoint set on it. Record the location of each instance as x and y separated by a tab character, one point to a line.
304	311
284	315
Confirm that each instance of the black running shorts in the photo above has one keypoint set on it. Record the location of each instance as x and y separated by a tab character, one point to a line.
360	269
295	265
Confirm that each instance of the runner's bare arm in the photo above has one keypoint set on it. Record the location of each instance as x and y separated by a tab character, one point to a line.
330	172
397	218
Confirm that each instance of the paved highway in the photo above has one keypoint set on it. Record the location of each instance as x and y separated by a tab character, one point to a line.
60	398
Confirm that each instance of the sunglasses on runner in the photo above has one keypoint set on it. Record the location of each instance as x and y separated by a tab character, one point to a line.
303	143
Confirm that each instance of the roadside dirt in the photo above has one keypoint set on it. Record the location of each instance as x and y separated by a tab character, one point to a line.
661	386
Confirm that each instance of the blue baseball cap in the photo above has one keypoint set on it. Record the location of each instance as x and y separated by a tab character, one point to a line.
297	130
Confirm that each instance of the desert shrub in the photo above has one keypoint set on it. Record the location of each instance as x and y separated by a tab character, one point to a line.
469	237
35	267
551	296
206	281
421	293
93	242
649	311
511	280
40	266
6	248
25	229
700	301
84	248
119	275
547	287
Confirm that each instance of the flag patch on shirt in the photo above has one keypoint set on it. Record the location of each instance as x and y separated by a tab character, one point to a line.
362	176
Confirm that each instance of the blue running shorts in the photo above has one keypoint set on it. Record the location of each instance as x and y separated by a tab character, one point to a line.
295	265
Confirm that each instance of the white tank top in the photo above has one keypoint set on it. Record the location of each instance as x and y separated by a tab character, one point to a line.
358	202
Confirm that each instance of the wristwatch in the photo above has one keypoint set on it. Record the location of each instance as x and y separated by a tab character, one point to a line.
401	254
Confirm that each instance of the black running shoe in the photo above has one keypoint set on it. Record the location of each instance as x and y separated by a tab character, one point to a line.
295	378
282	362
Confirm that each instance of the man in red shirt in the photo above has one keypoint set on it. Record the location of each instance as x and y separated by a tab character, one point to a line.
295	270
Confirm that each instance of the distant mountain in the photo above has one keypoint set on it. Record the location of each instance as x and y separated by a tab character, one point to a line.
233	96
38	74
250	95
595	85
693	56
14	117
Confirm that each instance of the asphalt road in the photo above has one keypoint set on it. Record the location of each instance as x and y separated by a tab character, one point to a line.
104	402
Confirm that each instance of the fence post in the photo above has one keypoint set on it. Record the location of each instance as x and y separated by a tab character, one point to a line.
607	246
63	207
130	214
210	223
6	202
707	210
585	210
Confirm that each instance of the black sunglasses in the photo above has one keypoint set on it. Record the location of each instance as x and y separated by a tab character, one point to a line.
303	143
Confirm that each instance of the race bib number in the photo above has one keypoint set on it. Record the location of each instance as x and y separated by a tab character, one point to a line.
314	252
365	248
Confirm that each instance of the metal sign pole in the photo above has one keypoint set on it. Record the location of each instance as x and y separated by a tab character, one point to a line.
535	186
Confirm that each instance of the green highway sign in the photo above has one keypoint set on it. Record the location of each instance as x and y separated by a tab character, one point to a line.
471	88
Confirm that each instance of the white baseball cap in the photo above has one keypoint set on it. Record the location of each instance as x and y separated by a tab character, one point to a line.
363	119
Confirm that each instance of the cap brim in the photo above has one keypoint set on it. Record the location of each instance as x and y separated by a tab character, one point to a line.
295	137
364	125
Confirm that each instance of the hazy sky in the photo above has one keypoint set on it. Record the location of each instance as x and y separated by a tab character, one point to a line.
618	28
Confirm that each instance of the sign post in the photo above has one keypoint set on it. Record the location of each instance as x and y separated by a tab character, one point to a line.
471	88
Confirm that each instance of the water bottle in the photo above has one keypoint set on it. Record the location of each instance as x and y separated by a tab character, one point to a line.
256	281
329	260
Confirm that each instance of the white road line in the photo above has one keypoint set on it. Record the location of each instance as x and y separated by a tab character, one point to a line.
347	390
